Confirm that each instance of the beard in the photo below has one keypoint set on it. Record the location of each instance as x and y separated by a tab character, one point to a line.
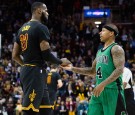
44	19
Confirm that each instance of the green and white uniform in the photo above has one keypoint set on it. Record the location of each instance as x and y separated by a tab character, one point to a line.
111	101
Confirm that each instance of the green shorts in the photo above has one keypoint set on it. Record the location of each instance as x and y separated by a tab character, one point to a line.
110	102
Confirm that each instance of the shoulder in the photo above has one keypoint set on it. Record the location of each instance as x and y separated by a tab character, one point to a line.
54	73
57	74
20	29
98	51
43	32
42	26
116	49
118	56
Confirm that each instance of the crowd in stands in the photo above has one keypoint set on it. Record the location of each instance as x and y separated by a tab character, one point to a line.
70	38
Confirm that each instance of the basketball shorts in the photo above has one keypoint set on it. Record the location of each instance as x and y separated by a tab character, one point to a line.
110	102
33	84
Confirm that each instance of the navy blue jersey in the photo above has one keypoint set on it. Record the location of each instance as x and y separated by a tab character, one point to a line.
29	37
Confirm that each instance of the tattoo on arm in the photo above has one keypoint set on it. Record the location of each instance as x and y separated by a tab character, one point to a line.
44	45
86	70
119	61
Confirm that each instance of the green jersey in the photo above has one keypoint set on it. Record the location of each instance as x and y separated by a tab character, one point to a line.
105	67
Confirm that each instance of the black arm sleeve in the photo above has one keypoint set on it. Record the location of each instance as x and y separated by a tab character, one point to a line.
48	56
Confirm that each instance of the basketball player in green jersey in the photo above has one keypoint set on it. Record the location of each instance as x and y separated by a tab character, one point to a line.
108	95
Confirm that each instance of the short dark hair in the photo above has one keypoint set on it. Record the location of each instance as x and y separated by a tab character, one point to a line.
36	5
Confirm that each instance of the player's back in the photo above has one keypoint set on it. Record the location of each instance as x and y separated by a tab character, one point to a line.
29	37
52	80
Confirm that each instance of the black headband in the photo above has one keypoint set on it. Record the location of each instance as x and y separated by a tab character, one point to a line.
111	29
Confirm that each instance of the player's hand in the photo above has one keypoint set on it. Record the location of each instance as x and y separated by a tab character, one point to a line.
68	67
98	90
65	62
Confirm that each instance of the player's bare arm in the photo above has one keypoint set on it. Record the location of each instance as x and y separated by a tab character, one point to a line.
119	61
44	45
90	71
16	54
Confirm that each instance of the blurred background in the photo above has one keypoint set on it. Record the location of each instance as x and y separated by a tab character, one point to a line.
74	26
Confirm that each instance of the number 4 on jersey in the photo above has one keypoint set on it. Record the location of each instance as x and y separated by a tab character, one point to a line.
99	73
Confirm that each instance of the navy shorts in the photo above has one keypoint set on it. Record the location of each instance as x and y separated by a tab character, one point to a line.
33	84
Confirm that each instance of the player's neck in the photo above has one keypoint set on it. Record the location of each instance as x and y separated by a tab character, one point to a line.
108	44
34	18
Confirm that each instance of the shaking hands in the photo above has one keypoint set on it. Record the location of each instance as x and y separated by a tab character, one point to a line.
67	65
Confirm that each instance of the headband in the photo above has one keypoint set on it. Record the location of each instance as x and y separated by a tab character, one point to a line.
111	29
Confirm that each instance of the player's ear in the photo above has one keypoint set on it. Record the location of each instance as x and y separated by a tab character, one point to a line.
111	33
39	11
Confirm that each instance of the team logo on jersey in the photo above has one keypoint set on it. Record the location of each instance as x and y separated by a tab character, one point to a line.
25	28
102	59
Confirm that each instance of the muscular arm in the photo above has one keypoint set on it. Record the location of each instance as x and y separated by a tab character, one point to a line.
44	45
86	71
16	54
119	61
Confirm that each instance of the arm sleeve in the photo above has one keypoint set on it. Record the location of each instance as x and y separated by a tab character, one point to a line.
48	56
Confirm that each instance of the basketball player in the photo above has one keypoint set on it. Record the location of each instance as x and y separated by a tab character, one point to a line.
32	43
108	95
